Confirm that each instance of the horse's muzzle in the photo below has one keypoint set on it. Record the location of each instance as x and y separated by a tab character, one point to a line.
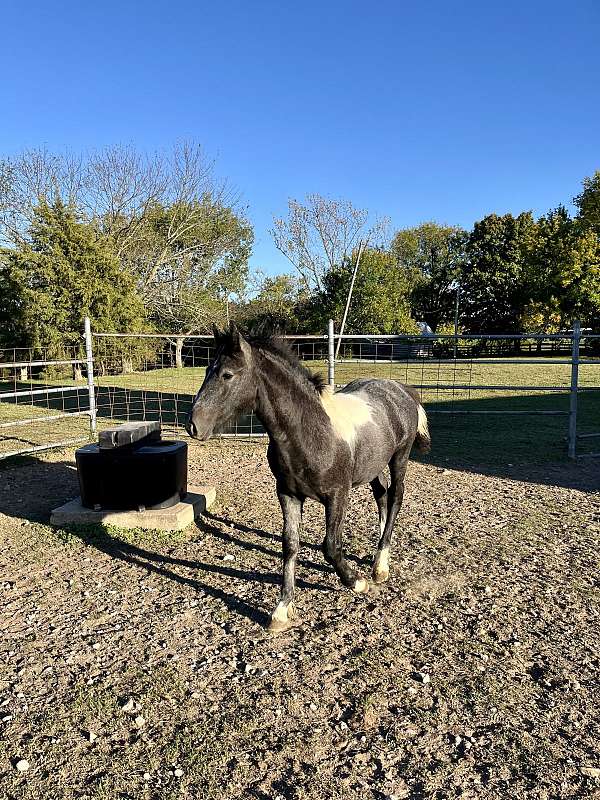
191	429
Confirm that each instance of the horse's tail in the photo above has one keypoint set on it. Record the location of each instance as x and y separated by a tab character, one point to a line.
423	438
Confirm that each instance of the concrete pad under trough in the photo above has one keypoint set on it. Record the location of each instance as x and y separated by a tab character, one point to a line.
176	518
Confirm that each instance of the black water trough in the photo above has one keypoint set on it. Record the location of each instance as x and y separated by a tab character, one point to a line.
131	468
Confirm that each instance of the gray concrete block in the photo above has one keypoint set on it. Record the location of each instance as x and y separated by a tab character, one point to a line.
128	433
176	518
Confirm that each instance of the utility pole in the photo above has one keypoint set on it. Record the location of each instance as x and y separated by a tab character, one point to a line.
361	248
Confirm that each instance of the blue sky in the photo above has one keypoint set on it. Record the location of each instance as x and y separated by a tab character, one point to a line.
438	110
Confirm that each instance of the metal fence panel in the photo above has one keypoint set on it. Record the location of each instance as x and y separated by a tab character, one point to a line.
34	386
122	377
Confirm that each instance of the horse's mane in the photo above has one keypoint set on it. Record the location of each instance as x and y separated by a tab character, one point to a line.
271	340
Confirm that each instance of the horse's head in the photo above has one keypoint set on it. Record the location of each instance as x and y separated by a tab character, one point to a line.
229	385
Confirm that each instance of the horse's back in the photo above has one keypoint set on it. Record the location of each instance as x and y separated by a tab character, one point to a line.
388	398
392	425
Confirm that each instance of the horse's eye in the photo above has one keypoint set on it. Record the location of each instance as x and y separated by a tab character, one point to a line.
227	376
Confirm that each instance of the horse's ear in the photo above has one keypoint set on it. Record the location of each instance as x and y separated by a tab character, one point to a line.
238	342
216	333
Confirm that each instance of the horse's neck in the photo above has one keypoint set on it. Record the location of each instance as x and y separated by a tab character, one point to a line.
286	405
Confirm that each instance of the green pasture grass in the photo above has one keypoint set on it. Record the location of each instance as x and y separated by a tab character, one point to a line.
167	393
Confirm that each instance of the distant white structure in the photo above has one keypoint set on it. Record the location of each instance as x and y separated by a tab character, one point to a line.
424	329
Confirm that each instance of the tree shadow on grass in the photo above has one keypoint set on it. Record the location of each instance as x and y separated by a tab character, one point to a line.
531	447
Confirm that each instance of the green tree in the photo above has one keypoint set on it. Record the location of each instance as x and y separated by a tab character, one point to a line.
588	204
189	259
11	311
380	301
495	277
432	256
563	272
62	273
278	302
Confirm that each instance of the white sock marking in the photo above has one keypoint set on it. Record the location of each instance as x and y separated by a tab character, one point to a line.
280	613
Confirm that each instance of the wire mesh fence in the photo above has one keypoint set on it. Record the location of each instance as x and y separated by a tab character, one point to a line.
157	377
506	396
510	392
41	404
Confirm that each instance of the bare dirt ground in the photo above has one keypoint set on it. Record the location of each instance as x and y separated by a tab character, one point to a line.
137	666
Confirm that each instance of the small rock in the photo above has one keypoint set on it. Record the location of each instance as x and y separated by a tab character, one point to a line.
228	557
422	677
591	772
96	646
313	707
91	736
178	772
128	707
140	721
147	776
22	765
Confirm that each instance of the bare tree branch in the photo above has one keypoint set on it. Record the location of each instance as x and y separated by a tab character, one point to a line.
321	234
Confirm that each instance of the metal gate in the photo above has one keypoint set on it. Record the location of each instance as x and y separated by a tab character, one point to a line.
121	377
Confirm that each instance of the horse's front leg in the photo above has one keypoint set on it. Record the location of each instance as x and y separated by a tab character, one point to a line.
335	513
283	616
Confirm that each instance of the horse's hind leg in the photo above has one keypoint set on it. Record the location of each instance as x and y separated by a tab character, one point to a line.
380	489
393	502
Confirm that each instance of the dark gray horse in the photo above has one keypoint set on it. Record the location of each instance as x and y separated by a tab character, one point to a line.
321	444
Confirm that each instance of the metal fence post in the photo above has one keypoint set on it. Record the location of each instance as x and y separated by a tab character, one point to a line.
89	358
331	354
574	386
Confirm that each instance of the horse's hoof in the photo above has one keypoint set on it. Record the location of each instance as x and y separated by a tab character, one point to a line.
380	576
280	625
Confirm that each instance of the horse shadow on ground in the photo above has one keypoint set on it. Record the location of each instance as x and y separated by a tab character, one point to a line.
56	483
276	538
159	564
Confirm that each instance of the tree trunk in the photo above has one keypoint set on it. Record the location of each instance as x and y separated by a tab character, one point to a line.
77	373
127	366
23	373
179	352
